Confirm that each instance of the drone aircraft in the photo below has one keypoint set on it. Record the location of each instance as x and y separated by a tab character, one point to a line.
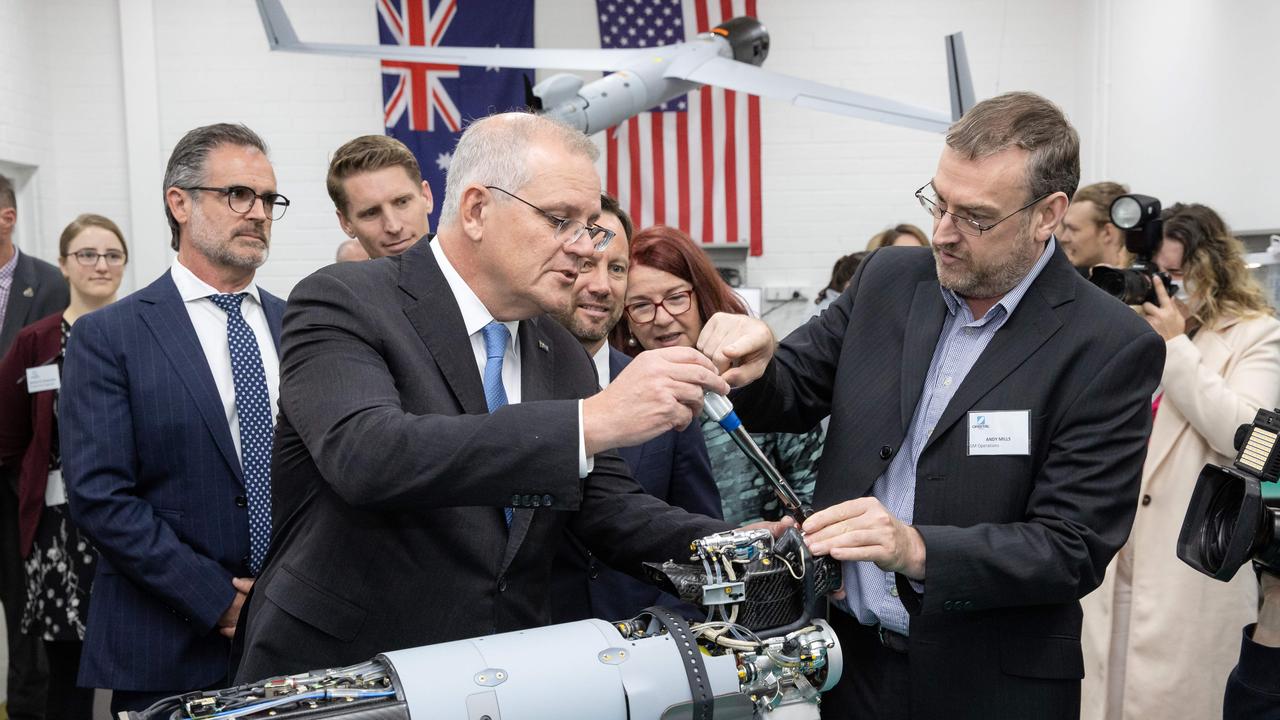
728	56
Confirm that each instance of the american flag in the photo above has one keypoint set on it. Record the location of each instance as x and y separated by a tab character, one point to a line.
426	105
695	162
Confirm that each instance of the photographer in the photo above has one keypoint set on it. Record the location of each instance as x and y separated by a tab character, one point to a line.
1159	637
1253	690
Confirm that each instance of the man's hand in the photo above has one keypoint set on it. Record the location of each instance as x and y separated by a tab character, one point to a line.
1268	630
1170	317
863	529
227	623
739	345
660	390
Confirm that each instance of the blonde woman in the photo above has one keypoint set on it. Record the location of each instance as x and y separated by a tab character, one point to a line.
1160	638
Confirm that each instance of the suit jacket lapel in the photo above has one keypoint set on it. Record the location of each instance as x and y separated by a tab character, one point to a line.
165	314
438	321
22	294
537	367
1033	322
924	325
273	308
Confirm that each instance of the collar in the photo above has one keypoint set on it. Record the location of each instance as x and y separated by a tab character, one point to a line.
190	287
1011	299
474	314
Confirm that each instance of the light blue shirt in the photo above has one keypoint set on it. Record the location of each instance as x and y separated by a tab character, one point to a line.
873	593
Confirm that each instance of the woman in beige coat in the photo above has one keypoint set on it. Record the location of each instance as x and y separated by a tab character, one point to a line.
1160	638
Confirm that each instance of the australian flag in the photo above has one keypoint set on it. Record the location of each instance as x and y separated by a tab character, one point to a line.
427	105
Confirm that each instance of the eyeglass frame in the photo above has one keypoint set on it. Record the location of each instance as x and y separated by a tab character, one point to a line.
660	304
590	230
276	198
970	221
124	258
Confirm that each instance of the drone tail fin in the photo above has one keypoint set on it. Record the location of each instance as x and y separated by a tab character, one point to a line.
280	34
959	81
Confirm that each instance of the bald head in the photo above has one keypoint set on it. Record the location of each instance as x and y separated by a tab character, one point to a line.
350	251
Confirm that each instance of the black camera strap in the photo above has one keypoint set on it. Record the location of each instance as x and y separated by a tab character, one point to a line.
691	659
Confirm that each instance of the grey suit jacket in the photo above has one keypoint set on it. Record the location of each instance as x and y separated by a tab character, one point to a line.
389	476
38	290
1012	541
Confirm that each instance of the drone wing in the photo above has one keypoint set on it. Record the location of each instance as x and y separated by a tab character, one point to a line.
726	73
281	36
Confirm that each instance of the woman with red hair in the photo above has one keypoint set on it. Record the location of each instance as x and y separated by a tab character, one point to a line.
672	288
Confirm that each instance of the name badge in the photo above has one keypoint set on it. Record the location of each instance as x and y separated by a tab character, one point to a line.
1000	432
42	378
55	491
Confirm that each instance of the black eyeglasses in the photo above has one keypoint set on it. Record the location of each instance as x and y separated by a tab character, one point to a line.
240	199
968	226
677	303
568	230
89	258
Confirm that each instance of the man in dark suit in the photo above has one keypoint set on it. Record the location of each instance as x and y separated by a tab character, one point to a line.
673	466
30	289
166	422
989	417
433	443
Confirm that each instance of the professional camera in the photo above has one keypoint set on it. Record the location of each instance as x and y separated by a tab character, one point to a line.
1228	523
1139	217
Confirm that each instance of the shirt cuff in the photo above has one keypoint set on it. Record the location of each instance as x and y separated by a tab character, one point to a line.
585	464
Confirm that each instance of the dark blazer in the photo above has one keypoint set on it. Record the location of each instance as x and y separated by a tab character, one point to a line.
674	467
392	476
38	290
1012	542
27	422
154	480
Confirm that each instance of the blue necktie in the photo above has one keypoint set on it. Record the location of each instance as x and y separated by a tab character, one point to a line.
495	395
253	406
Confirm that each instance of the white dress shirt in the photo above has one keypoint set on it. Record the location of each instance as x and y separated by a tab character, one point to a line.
210	323
601	359
474	317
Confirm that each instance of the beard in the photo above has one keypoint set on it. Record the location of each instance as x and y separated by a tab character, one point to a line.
993	280
587	330
224	252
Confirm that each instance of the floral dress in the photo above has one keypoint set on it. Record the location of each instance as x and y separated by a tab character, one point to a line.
60	567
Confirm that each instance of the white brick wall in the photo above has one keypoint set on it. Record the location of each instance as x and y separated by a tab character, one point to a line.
829	182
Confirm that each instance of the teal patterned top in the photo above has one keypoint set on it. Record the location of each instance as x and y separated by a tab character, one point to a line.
744	493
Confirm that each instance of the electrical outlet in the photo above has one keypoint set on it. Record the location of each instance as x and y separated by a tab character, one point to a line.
782	293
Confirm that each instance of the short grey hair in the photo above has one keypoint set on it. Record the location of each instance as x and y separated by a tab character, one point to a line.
494	151
186	166
1028	121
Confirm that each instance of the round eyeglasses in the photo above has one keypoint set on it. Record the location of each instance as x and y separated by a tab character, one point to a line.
568	230
643	311
240	199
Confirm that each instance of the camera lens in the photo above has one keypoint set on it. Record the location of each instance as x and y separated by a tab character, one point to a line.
1220	524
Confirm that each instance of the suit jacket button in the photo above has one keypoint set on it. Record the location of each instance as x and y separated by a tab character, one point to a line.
502	584
886	452
1146	499
948	605
595	572
515	501
528	500
968	604
242	501
546	500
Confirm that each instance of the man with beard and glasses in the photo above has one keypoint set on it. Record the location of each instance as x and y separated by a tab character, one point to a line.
989	418
167	409
673	466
